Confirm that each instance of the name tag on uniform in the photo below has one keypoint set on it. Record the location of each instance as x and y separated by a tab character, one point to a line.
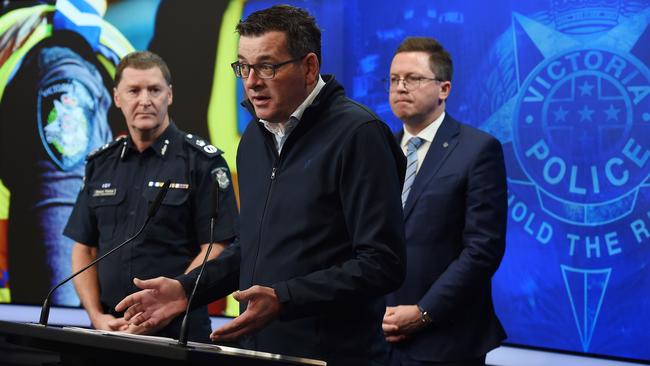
104	192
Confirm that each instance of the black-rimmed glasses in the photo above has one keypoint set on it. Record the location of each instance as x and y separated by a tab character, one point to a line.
263	70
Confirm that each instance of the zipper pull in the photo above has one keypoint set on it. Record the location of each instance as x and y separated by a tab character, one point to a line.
273	172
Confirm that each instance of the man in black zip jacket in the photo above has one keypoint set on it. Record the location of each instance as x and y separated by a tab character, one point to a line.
322	237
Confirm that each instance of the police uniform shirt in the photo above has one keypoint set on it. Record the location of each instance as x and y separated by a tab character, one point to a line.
120	184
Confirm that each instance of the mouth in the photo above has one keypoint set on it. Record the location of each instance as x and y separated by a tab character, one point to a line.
402	101
260	100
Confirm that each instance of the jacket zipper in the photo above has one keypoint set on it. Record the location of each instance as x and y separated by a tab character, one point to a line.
261	222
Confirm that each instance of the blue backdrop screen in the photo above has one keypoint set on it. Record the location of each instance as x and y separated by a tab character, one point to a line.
564	85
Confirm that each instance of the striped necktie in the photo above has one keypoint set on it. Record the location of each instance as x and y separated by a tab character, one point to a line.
411	165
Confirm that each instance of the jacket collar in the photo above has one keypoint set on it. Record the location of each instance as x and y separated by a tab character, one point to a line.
331	86
330	90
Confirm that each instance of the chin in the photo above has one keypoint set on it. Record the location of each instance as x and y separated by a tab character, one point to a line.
146	126
401	115
263	113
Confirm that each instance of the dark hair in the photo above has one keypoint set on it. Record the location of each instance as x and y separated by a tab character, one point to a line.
439	59
303	35
142	60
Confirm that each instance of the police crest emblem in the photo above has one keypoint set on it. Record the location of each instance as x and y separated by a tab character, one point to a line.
64	121
576	139
220	175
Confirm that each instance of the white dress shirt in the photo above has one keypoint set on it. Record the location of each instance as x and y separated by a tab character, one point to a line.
427	135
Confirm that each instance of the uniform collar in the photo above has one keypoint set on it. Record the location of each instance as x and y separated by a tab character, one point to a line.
163	145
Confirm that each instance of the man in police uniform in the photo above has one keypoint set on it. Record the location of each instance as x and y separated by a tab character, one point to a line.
123	177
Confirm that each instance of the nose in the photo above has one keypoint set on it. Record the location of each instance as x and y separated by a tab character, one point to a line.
252	81
401	85
144	98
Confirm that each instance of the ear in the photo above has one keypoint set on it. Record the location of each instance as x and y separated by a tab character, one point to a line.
312	68
170	97
445	90
116	98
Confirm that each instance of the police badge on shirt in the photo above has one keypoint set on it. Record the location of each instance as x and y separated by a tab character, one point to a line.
220	176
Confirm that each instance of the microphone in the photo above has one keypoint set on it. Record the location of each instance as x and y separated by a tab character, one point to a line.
214	214
153	208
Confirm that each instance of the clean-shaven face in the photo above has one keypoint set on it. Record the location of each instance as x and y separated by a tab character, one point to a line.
416	106
273	99
144	98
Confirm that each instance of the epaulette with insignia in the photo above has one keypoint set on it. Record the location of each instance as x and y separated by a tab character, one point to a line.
202	145
100	150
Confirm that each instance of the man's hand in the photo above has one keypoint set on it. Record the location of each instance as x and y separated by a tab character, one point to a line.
263	307
160	300
121	325
138	329
401	321
109	322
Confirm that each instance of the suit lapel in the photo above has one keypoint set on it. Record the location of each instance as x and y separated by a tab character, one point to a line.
442	145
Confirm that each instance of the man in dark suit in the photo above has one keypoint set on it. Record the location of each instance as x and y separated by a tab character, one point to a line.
455	209
322	241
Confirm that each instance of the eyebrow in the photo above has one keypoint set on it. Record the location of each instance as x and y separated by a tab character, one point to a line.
263	58
136	85
409	74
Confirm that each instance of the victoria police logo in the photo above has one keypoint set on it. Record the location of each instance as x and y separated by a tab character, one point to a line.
220	175
64	113
574	134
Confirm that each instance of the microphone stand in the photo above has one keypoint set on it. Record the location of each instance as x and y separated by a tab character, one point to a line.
182	337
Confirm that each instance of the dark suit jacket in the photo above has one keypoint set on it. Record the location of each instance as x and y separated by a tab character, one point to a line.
455	222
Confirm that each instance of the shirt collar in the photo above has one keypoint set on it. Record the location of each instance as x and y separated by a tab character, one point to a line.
286	128
427	134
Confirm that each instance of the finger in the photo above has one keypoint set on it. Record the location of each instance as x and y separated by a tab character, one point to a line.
389	328
237	295
235	325
141	318
390	319
231	337
233	331
117	323
133	311
152	284
135	298
132	318
248	294
135	329
125	303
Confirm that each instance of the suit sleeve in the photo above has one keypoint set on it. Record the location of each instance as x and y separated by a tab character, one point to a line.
483	236
369	186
